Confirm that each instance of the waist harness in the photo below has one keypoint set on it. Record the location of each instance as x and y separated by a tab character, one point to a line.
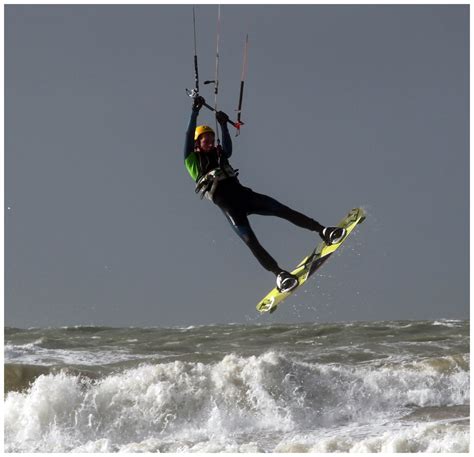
207	184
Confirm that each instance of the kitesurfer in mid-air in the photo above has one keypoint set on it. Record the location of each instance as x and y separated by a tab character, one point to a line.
209	167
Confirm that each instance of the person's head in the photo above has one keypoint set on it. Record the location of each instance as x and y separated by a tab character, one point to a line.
204	138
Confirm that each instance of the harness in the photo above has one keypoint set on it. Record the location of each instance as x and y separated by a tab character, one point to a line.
207	184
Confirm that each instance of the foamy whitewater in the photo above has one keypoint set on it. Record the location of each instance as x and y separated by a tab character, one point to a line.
349	387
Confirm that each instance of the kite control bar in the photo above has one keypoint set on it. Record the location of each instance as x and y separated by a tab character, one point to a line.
193	94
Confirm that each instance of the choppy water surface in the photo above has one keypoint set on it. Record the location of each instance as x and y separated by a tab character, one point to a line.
362	387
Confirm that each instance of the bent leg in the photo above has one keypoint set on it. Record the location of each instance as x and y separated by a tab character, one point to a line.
268	206
240	224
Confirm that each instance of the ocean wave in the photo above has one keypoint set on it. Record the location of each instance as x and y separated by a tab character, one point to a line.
431	437
20	377
11	350
195	405
33	354
452	323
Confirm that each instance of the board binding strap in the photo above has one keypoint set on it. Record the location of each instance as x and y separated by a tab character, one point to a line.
311	263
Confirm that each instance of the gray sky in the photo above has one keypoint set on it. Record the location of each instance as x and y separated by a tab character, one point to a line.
345	106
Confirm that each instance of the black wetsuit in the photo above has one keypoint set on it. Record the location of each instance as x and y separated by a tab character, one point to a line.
238	202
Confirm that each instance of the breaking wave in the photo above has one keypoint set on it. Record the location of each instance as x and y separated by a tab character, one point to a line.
269	402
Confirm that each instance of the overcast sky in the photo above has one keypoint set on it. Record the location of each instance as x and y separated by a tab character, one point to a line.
344	106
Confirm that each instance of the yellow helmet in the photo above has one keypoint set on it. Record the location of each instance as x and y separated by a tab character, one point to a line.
200	129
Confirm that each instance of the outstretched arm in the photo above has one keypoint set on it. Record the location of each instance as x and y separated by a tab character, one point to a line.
222	118
189	140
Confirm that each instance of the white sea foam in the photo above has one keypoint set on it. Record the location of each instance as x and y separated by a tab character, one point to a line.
239	404
34	354
448	323
16	350
383	438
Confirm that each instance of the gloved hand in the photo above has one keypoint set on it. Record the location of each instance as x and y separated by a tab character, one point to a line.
198	103
222	117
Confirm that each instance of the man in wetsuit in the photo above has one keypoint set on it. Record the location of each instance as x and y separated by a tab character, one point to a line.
208	166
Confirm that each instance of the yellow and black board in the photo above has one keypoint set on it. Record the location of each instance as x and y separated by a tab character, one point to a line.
312	262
